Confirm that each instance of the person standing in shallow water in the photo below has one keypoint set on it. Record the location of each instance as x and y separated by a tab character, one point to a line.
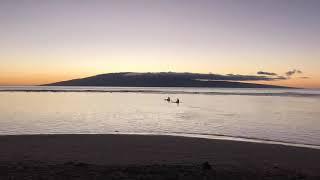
168	99
177	101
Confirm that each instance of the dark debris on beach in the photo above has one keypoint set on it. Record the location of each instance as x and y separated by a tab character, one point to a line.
81	171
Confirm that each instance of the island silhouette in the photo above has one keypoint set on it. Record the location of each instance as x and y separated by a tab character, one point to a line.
169	79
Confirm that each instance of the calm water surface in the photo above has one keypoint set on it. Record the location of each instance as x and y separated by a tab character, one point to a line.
267	114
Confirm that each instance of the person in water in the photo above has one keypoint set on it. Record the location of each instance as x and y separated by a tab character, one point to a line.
168	99
177	101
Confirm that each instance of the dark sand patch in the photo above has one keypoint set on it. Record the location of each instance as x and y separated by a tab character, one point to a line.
150	157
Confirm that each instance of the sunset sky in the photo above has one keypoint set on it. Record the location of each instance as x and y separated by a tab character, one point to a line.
44	41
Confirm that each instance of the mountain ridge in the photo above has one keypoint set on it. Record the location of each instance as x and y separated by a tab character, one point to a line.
168	79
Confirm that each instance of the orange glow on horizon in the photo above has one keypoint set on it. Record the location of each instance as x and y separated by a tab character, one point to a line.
38	79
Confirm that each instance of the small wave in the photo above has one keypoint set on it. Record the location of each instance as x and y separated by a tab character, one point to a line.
254	139
226	137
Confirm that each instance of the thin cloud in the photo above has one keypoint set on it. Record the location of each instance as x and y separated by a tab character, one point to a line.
292	72
212	77
267	73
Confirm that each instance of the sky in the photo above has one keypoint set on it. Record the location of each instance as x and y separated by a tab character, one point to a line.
43	41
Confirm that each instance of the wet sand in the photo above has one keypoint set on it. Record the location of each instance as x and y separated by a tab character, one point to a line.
151	157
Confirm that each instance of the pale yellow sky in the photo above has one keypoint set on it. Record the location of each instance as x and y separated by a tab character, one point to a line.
48	41
36	70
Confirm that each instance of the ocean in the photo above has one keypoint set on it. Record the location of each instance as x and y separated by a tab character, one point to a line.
280	116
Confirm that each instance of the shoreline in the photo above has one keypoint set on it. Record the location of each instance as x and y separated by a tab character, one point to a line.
224	138
191	135
148	150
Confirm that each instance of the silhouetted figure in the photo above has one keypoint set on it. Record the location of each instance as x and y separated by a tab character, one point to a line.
168	99
206	166
177	101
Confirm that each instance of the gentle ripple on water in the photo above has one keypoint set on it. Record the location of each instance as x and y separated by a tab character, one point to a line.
287	118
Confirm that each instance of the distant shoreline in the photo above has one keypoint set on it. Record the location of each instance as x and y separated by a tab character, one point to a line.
57	89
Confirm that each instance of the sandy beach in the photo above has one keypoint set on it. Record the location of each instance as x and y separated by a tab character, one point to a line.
162	156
